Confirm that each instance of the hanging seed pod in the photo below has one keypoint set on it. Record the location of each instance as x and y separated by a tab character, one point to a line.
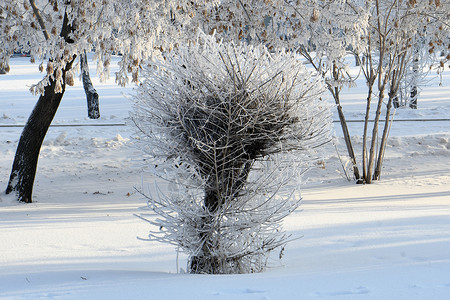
315	15
67	55
58	87
49	68
70	78
106	63
58	74
135	77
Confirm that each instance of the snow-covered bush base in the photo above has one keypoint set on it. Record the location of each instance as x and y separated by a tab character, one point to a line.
228	125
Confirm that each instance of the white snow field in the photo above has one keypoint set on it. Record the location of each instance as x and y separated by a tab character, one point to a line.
80	239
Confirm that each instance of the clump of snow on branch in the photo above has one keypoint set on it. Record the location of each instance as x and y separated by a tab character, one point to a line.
230	127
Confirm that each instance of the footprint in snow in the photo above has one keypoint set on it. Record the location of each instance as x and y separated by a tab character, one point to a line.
357	291
245	291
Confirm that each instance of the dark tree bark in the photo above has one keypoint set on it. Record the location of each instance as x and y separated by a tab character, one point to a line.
415	78
396	102
384	138
348	142
357	60
394	85
335	91
413	96
206	262
25	162
370	82
373	143
91	93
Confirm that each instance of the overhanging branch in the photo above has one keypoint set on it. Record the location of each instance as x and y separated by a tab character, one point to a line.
37	13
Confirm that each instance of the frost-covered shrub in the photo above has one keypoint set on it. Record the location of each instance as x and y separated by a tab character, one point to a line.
231	126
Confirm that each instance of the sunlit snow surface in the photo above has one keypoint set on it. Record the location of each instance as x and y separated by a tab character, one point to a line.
80	238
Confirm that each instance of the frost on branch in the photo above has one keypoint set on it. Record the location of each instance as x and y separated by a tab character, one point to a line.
231	126
136	29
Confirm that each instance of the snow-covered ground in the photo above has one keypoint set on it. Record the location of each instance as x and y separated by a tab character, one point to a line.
80	238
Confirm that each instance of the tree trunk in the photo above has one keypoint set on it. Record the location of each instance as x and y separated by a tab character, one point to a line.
357	60
348	142
91	93
375	134
206	261
371	76
394	86
384	138
366	126
25	162
396	102
413	98
415	78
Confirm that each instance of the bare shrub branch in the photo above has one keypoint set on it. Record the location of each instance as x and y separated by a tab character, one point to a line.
230	125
